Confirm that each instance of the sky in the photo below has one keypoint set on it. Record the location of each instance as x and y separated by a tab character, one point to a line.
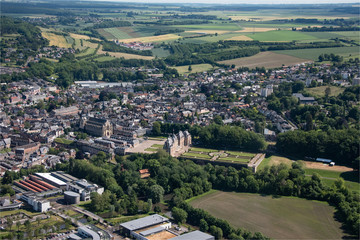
242	1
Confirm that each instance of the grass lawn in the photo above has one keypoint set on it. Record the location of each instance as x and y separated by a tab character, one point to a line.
13	212
234	159
208	150
152	149
352	186
280	36
313	53
245	154
157	146
195	68
278	218
196	155
320	91
63	141
5	150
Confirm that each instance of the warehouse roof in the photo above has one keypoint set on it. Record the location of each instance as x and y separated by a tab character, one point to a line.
198	235
144	222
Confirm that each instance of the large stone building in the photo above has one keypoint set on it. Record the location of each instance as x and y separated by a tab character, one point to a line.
97	127
178	143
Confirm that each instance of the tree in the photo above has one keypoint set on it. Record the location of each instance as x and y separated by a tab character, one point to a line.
179	215
27	225
203	225
156	193
189	68
216	232
9	222
149	205
327	92
247	99
156	128
309	122
18	224
157	209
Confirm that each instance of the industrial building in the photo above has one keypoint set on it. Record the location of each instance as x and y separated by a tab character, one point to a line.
71	197
39	204
158	227
198	235
144	227
90	232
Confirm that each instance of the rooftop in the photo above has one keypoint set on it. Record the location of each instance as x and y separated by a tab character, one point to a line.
198	235
49	177
144	222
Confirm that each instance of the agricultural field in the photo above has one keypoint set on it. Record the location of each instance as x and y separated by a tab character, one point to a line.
160	38
195	68
314	53
124	55
320	91
278	218
265	59
280	36
56	40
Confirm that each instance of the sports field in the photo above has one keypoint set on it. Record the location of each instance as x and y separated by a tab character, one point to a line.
265	59
278	218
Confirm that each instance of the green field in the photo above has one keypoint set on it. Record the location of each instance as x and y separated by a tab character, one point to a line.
195	68
280	36
244	154
233	159
313	53
63	141
320	91
207	150
214	26
279	218
196	155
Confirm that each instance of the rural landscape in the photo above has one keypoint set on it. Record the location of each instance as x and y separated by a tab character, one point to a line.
157	121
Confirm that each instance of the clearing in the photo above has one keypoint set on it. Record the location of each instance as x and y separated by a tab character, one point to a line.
320	91
195	68
265	59
240	38
279	218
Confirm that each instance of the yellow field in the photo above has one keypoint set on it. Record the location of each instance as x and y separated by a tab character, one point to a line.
56	40
240	38
79	36
125	55
195	68
249	29
159	38
208	31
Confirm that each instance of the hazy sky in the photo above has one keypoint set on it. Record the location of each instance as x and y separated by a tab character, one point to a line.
243	1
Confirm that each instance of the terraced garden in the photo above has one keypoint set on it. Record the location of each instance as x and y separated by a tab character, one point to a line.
219	155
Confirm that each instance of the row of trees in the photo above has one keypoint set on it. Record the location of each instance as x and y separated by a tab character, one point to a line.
341	146
216	135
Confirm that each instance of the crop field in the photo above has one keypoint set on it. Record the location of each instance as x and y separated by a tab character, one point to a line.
240	38
103	58
278	218
160	38
195	68
265	59
280	36
202	31
56	40
313	53
124	55
320	91
211	26
256	29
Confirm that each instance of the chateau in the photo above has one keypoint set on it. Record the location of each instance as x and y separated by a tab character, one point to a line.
178	143
97	127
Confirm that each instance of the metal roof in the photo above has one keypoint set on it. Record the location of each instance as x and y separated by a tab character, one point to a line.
198	235
152	231
90	232
144	222
51	178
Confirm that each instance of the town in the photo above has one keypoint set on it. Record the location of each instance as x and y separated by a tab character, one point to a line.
174	121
